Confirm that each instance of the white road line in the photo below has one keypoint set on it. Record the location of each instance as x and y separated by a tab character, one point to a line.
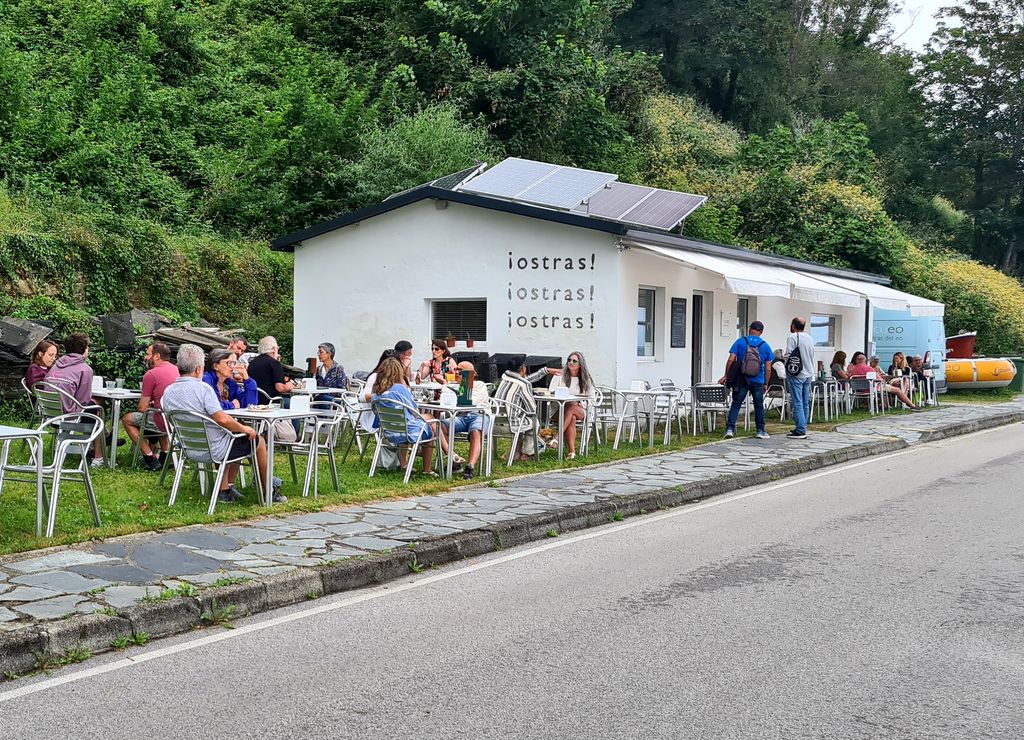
420	582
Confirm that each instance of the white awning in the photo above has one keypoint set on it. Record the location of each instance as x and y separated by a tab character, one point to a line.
810	288
742	278
882	296
748	278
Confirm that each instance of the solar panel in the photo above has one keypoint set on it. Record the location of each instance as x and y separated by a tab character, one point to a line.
566	187
509	177
613	201
450	182
662	209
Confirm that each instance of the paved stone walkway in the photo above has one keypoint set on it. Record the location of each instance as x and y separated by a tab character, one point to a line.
119	572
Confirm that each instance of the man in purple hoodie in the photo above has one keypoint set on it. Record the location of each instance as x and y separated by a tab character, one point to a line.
73	375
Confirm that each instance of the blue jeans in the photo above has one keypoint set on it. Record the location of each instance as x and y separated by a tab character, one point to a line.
800	397
739	395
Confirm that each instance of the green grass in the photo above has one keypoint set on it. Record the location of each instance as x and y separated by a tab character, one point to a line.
992	395
133	501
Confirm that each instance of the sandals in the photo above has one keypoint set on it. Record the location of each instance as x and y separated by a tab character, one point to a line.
571	456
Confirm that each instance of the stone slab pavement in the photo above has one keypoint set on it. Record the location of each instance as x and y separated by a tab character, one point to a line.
114	575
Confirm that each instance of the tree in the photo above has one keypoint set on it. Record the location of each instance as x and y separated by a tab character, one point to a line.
973	79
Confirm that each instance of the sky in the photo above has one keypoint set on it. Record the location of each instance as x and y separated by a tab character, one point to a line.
917	30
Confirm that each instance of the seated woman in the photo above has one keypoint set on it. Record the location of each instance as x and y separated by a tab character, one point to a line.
230	380
440	363
859	368
389	385
837	366
329	374
43	357
899	365
575	377
778	370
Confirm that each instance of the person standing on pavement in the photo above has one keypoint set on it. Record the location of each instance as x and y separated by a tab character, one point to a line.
800	372
746	371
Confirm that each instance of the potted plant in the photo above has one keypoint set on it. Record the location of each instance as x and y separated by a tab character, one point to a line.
469	340
450	339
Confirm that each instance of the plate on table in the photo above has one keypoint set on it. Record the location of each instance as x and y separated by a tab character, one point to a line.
258	407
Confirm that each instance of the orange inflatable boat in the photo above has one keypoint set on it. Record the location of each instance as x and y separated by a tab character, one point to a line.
980	373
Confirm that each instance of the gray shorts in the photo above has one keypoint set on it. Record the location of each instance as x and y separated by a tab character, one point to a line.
135	420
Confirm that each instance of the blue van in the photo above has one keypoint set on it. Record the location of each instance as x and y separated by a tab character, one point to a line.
898	331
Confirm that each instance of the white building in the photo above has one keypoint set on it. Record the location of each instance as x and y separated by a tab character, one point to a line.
517	277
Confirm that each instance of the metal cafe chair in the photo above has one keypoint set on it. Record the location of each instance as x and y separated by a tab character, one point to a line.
392	416
73	437
190	431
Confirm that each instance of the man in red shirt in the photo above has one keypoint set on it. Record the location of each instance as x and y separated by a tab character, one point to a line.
162	373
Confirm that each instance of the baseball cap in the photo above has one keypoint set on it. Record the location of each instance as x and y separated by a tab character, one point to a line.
756	326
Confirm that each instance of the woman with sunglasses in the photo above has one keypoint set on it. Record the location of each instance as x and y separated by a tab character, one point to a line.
230	380
440	363
575	377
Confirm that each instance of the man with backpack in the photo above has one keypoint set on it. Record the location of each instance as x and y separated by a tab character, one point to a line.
799	372
747	370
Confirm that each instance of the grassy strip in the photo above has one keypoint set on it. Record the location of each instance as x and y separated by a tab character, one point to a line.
991	395
132	501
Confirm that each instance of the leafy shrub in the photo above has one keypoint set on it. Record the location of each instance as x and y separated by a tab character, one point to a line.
977	297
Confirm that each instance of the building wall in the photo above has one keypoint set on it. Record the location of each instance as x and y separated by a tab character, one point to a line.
368	285
776	313
671	280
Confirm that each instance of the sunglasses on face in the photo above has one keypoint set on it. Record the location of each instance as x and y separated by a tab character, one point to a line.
572	362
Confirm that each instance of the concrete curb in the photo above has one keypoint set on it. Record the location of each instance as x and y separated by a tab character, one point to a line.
22	650
975	425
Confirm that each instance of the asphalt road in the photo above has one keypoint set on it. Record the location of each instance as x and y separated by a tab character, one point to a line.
879	600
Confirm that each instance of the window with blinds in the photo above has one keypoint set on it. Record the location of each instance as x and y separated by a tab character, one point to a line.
464	319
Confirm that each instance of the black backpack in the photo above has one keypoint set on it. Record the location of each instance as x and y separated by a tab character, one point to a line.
795	362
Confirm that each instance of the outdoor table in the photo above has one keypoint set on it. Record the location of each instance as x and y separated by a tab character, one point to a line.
270	416
551	398
653	394
35	439
452	412
303	391
115	396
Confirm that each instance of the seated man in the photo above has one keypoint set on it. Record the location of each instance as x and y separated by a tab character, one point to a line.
73	376
161	374
240	348
471	424
190	393
268	372
516	387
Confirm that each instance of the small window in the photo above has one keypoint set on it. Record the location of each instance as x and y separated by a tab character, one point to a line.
645	322
823	330
462	319
742	317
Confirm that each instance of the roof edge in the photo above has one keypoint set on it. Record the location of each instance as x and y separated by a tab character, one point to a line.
673	241
288	242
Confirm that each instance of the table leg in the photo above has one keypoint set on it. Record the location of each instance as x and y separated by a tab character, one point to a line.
561	427
39	482
650	421
451	442
115	428
669	418
268	484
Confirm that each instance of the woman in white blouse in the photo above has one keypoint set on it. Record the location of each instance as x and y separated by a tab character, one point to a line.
577	379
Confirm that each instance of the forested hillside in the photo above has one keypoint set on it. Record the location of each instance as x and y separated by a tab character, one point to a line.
149	148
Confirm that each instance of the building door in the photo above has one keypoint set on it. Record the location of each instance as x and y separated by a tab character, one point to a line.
697	340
